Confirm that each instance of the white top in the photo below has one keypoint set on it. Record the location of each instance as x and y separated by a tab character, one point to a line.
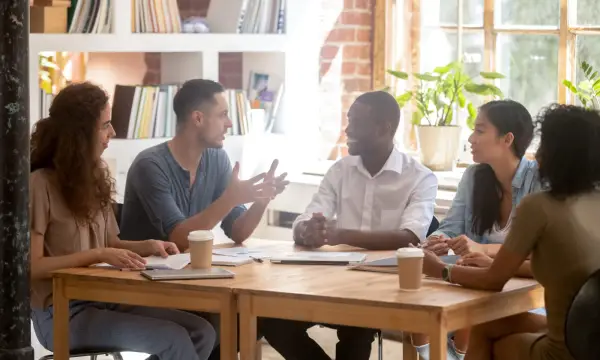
497	234
400	196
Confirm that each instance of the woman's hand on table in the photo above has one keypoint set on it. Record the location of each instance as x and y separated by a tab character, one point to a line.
161	248
432	264
475	259
462	245
121	258
437	244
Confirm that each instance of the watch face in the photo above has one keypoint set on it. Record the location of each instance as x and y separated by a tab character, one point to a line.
445	273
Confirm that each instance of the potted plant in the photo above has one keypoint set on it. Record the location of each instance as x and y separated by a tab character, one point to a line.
437	97
588	90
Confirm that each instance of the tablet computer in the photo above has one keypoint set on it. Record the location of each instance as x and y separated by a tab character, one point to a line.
187	274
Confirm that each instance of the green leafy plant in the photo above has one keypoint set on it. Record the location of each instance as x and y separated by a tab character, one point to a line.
588	90
437	94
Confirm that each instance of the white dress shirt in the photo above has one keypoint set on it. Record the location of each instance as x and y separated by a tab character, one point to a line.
401	196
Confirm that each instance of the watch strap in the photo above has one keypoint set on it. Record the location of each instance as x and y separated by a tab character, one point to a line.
447	273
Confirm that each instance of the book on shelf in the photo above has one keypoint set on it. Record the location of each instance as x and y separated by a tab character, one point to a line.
90	16
155	16
45	102
249	16
142	112
262	96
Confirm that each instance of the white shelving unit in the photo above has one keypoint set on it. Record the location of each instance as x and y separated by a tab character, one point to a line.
293	57
299	48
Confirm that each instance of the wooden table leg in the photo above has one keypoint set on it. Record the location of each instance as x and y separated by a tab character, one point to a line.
60	320
247	328
408	350
229	326
438	348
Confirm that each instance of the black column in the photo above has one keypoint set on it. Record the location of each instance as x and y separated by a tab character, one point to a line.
15	330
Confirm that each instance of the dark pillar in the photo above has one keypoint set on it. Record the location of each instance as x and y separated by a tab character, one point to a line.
15	330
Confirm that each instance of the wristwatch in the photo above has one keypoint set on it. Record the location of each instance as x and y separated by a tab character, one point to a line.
446	273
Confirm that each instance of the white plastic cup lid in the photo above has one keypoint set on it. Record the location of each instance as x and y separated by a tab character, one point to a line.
409	253
200	235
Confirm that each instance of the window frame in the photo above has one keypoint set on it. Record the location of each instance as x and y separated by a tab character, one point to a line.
384	37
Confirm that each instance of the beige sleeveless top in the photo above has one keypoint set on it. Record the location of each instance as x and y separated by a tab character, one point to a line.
50	217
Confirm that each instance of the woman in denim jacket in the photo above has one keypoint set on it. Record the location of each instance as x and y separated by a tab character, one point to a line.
486	198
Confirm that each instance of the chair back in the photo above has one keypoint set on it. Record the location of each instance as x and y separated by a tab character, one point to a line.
118	209
435	224
582	327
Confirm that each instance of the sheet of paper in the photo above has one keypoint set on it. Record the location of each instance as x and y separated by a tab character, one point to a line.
174	262
242	251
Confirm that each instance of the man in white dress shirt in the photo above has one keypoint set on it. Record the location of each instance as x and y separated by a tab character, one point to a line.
378	199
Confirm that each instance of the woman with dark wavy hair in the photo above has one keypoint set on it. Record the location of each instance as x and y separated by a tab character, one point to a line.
488	193
557	226
73	225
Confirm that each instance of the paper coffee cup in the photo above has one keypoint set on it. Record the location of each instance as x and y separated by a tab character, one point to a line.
201	243
410	268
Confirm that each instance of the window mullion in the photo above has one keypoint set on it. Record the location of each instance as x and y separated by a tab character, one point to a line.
489	51
563	50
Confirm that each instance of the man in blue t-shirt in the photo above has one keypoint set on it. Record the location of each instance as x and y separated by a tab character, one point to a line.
187	183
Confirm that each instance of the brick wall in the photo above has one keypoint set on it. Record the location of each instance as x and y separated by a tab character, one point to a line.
345	56
345	60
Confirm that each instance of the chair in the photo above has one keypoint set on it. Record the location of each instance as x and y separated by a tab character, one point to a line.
582	327
118	210
94	353
435	224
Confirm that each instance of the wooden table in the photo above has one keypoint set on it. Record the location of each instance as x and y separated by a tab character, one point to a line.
130	288
321	294
334	295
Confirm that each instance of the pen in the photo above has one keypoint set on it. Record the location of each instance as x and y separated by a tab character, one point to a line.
258	260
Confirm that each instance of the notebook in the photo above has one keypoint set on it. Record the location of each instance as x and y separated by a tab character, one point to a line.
172	262
319	258
187	274
389	265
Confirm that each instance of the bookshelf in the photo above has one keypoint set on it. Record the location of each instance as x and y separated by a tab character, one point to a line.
292	56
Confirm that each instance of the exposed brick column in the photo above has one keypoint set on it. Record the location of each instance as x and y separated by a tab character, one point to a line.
230	64
346	57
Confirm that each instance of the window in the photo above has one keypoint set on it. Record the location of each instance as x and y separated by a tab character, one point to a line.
535	44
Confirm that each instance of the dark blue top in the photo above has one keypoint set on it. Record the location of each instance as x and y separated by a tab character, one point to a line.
158	195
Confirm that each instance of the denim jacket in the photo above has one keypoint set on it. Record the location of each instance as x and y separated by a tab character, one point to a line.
459	219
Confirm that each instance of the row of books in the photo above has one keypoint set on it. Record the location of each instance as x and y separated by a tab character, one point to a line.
156	16
90	16
254	16
141	112
45	101
163	16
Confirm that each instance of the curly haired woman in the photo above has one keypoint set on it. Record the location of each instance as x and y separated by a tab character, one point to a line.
557	226
73	225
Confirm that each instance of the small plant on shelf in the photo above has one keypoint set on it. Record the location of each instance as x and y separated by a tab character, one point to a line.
588	90
437	97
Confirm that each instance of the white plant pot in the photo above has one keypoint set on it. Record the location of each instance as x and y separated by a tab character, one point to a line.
438	146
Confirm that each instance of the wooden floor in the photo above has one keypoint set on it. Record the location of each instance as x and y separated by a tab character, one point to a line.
325	337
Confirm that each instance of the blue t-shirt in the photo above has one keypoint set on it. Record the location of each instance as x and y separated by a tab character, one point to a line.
158	195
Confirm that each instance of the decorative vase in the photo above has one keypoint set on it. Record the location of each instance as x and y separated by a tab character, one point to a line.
438	146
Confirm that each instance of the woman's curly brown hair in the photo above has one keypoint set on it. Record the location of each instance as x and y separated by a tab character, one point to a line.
66	143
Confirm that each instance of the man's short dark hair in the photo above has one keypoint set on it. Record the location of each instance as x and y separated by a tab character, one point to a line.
384	107
192	95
